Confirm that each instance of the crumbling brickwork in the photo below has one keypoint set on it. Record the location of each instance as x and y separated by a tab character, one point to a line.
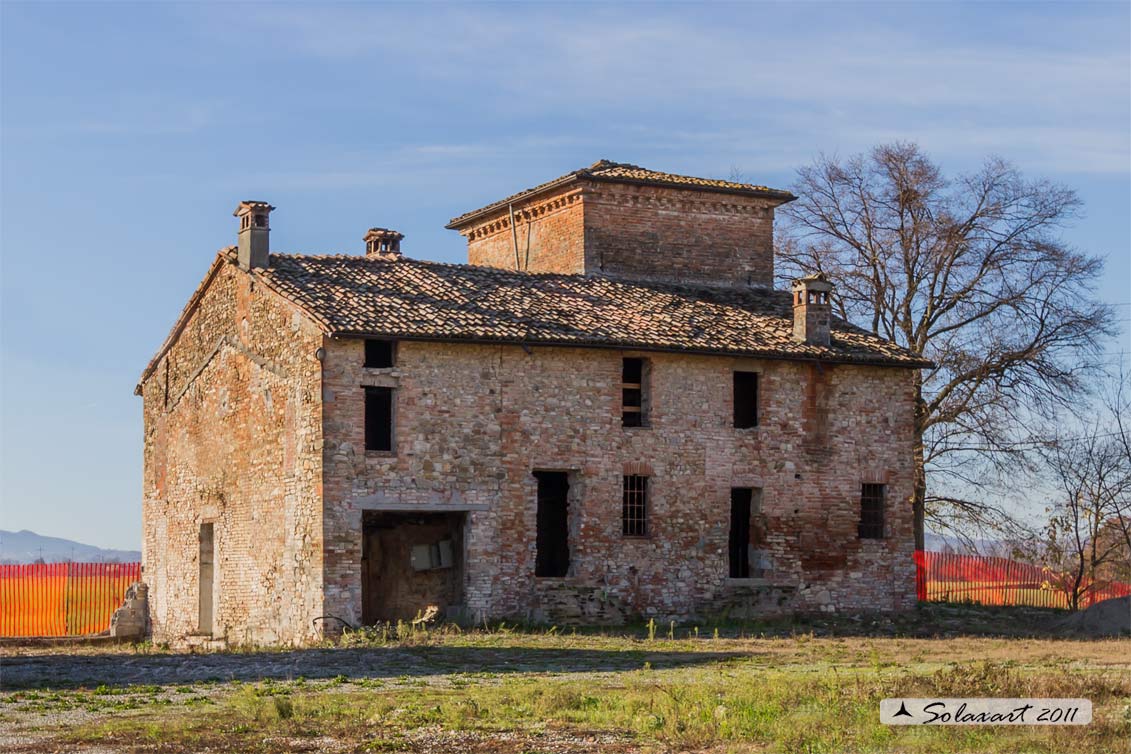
474	422
233	438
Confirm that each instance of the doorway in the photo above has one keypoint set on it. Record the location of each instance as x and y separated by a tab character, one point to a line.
552	539
740	498
206	579
411	564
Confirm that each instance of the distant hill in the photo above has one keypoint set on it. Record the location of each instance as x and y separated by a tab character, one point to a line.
944	543
28	547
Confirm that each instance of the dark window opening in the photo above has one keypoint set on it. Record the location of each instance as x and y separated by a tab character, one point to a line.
740	499
552	542
634	411
378	418
634	512
871	511
745	399
378	354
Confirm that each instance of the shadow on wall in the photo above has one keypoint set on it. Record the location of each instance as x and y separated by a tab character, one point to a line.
118	670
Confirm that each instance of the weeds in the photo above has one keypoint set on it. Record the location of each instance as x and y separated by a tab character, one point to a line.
714	705
799	693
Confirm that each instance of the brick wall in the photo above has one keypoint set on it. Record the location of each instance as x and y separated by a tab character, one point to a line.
664	234
473	422
232	437
245	429
550	237
635	232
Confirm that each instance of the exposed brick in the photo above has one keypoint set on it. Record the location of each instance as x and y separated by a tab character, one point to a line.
475	421
634	232
254	422
235	444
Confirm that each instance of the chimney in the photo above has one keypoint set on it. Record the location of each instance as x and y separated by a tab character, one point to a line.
254	248
812	309
382	243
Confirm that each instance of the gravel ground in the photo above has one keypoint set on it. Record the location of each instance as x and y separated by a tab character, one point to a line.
34	709
32	671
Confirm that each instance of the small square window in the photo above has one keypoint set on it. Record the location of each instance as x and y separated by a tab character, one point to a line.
379	354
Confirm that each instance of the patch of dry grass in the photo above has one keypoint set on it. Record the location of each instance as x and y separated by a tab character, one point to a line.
798	694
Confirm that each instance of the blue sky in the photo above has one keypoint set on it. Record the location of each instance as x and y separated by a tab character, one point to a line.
128	132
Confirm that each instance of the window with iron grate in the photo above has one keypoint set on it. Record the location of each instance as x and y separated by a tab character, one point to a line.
871	511
634	512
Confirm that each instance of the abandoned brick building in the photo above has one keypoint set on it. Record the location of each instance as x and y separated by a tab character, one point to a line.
608	413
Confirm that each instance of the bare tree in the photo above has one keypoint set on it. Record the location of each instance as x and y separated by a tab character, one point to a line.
1117	402
1084	534
969	272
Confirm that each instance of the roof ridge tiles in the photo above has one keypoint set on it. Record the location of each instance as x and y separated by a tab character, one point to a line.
624	172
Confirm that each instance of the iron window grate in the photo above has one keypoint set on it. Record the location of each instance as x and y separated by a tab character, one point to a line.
634	513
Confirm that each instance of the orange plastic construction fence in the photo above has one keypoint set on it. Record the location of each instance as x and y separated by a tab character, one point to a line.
950	577
62	599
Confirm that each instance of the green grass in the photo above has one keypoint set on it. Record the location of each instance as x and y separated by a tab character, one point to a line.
798	694
728	703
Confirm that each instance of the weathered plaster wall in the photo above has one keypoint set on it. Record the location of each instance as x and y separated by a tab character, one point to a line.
233	437
473	422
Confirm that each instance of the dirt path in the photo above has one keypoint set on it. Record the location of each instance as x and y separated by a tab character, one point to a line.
68	671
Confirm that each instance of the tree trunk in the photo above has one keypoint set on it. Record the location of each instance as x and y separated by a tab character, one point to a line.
919	496
919	499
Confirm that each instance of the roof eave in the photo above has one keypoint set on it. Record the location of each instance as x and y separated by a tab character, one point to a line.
456	223
769	355
465	219
783	197
222	257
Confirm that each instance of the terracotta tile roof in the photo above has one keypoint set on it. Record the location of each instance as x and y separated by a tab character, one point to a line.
356	296
617	172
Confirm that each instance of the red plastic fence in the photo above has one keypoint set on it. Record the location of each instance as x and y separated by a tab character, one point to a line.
949	577
62	599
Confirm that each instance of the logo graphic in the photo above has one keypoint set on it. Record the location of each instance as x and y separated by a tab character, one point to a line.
985	711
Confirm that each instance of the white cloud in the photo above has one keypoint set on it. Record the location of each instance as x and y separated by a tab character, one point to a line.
772	81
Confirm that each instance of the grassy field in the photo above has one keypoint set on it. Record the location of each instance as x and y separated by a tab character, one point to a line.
508	691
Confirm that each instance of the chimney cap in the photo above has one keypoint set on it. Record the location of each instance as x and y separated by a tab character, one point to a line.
817	281
382	233
250	205
383	243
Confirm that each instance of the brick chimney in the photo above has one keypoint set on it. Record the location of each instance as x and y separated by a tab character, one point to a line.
382	243
812	309
254	248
